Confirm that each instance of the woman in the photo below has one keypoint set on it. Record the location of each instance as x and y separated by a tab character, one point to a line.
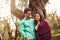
42	28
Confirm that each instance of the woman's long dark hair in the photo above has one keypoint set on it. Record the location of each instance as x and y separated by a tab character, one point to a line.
41	17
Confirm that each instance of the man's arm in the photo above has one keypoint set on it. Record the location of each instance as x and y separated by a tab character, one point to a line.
22	29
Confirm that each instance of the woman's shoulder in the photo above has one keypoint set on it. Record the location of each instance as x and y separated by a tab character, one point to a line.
46	22
43	23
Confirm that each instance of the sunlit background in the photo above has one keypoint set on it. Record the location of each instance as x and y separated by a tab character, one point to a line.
52	6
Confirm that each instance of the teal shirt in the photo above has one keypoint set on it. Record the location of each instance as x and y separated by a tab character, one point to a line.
27	28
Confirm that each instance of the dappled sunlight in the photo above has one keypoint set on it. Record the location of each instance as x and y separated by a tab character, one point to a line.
4	8
21	4
5	17
52	6
5	12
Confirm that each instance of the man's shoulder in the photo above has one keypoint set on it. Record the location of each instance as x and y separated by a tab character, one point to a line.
21	21
32	20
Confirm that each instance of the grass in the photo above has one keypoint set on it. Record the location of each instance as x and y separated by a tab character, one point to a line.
56	35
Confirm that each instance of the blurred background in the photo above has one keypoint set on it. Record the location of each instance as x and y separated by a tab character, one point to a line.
11	12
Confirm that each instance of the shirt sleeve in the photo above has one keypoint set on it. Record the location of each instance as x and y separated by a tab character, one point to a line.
22	29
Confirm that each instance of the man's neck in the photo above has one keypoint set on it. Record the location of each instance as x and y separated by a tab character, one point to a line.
27	17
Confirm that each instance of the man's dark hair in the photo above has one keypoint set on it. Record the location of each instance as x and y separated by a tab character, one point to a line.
27	9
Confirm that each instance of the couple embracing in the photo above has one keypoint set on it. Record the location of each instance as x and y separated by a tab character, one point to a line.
34	28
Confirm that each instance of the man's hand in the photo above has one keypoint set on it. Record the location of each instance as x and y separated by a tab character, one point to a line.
27	39
21	38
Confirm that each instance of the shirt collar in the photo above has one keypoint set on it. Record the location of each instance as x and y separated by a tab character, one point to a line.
26	18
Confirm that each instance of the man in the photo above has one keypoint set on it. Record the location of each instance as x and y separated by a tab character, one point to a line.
27	25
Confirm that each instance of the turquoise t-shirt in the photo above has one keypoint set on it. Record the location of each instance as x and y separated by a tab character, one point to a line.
27	28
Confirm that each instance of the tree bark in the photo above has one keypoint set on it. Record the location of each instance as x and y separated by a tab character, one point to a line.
15	11
6	31
38	5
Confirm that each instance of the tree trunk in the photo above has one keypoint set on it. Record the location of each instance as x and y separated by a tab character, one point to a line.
6	31
15	11
38	5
